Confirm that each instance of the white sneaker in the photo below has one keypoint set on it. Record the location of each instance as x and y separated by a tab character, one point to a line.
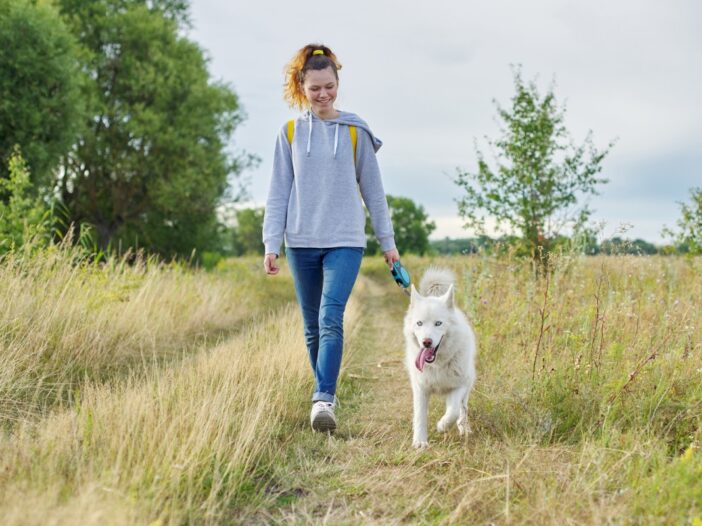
322	416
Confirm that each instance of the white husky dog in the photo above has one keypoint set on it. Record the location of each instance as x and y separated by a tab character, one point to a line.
440	353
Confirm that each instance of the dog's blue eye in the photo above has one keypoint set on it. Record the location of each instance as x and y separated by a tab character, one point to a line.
419	323
438	323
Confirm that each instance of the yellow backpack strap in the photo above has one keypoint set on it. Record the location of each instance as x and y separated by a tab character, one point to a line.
291	130
352	131
354	140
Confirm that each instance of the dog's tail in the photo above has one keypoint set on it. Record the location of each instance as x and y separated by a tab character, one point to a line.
436	281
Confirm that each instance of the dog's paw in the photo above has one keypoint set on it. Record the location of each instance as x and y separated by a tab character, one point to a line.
464	428
442	425
420	444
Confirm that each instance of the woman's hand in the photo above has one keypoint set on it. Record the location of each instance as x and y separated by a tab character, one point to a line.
269	263
391	256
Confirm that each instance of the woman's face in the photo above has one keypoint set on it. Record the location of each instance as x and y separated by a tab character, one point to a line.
320	87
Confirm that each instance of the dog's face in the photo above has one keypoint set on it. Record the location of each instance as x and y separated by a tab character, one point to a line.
427	323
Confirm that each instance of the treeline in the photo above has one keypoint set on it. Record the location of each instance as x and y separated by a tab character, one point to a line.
613	246
413	227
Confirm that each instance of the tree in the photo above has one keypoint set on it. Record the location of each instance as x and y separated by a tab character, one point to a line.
689	235
539	176
618	246
151	167
411	225
248	231
40	106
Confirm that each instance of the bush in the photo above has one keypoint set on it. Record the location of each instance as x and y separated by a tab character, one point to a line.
22	218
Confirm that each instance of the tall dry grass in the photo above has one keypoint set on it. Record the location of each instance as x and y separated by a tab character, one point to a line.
177	443
587	409
600	342
598	370
66	321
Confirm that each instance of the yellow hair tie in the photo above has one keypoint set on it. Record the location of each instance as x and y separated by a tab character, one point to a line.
318	52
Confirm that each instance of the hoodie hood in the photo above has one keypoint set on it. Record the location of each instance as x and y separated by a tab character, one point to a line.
345	117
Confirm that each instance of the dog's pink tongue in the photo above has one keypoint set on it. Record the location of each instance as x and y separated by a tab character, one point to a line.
422	357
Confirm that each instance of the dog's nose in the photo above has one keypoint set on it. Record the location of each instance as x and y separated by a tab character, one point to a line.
426	342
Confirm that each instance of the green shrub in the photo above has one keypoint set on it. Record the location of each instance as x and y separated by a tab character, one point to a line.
22	217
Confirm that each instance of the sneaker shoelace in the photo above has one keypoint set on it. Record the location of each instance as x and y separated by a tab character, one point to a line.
329	405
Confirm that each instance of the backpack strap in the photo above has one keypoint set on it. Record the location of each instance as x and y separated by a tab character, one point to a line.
291	130
352	132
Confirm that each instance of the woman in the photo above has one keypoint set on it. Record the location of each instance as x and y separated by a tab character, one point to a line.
314	202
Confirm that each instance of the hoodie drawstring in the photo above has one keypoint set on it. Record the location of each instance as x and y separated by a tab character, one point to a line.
336	138
309	135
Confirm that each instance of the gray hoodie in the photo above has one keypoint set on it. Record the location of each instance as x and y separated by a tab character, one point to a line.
313	197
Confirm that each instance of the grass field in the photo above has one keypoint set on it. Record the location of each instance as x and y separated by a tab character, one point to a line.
156	394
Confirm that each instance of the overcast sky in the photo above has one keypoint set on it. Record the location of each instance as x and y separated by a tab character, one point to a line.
424	76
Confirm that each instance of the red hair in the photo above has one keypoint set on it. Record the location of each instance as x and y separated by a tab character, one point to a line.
303	61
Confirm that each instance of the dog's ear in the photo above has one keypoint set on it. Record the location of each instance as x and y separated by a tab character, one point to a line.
447	298
414	295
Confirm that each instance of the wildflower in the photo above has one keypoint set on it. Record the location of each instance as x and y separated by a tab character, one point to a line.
687	455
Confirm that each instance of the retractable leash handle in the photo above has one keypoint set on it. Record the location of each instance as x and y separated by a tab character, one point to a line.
401	276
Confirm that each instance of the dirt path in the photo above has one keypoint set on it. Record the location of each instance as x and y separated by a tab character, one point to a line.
368	472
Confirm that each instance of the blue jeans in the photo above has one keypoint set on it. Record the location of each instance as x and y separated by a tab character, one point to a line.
323	280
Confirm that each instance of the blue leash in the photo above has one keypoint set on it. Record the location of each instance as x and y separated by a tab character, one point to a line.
401	276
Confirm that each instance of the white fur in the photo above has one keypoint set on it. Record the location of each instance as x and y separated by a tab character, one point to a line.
452	373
